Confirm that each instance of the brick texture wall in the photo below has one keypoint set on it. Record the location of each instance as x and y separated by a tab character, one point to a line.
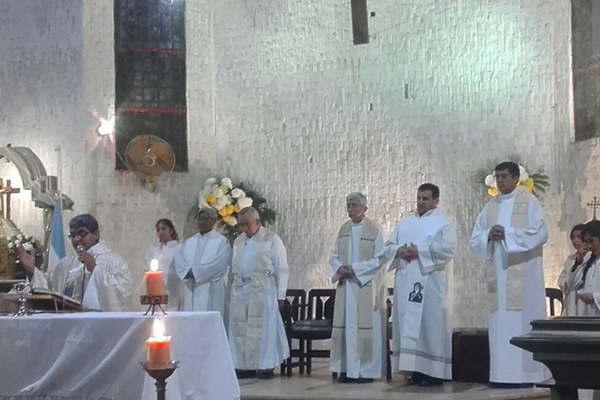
280	98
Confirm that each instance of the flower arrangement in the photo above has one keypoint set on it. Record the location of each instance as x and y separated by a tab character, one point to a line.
229	199
535	183
19	240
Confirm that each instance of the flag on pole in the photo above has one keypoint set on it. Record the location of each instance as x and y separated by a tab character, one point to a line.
56	244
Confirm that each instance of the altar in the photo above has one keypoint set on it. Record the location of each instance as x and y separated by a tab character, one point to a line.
97	356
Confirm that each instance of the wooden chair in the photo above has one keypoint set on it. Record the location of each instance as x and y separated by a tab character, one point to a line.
316	326
554	294
292	312
388	334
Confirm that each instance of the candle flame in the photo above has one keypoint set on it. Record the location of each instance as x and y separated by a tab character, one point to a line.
154	265
158	329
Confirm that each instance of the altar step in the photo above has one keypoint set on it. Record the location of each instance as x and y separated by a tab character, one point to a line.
320	386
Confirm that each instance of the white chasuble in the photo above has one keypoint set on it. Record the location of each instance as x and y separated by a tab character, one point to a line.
108	287
515	282
164	254
55	279
357	338
259	275
202	263
421	327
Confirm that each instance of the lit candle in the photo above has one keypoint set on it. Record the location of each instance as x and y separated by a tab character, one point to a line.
155	285
159	345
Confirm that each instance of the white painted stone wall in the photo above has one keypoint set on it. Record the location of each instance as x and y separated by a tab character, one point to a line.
279	97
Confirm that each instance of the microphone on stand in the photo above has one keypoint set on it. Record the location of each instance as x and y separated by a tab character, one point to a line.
80	249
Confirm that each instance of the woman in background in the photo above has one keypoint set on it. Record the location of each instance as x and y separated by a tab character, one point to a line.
164	251
571	277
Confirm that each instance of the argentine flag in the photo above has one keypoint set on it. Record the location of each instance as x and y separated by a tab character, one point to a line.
56	242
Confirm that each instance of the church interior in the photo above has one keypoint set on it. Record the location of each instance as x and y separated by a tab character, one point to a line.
123	109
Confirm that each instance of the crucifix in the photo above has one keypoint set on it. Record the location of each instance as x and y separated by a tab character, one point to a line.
594	204
6	191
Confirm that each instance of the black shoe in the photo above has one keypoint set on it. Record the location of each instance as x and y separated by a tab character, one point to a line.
501	385
415	379
345	379
428	381
265	374
245	373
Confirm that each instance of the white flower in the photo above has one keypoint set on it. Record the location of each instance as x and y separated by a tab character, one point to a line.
490	181
28	246
237	193
210	181
227	183
244	202
202	203
11	245
523	175
231	220
221	202
19	237
218	193
17	243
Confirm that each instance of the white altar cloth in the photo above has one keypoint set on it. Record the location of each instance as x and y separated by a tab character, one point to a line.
96	356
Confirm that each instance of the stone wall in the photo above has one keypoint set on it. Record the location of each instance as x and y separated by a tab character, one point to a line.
280	98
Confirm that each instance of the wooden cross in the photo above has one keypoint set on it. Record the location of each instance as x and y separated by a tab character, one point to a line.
595	204
7	191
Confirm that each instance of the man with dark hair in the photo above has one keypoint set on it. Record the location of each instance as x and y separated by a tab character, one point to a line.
509	235
98	277
422	245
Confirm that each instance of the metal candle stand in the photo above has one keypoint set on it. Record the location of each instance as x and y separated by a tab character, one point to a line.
154	301
160	373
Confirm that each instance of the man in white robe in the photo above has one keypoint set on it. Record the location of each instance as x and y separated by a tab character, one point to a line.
99	278
509	235
422	246
201	263
357	338
259	275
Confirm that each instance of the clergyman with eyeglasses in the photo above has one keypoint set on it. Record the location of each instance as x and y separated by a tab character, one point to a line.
96	276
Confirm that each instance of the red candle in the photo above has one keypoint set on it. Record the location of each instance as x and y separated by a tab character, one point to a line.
158	345
155	285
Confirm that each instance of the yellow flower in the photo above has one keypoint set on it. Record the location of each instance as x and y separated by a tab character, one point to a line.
210	198
236	208
528	185
226	211
231	221
492	192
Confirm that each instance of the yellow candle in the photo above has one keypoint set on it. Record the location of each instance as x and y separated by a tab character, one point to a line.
155	285
158	345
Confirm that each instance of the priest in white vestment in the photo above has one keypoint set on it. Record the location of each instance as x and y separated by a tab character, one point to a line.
422	246
55	278
509	234
571	277
99	278
259	275
201	264
163	251
359	318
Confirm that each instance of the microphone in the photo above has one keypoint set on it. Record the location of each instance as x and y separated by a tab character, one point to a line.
80	249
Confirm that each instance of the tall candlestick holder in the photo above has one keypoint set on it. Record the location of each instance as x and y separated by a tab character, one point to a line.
160	373
153	302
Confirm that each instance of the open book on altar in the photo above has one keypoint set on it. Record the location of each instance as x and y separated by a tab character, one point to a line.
45	300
